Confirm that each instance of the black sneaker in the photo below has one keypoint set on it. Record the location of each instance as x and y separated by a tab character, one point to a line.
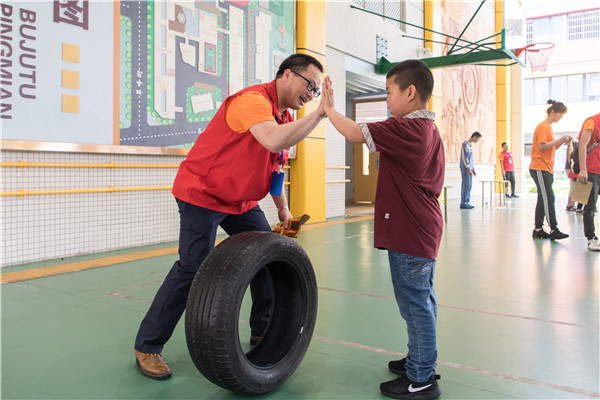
541	234
399	368
514	196
556	235
404	388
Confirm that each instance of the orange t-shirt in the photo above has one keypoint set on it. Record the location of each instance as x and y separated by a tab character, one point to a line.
248	109
588	124
542	160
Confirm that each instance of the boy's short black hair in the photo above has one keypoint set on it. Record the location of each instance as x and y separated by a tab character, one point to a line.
413	72
503	143
298	62
476	134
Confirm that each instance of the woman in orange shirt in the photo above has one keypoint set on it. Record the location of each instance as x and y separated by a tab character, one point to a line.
542	171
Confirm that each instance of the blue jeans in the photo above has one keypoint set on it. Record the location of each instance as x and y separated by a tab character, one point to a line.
590	208
465	188
198	230
412	278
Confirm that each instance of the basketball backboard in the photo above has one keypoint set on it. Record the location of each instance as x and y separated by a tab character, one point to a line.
489	50
514	25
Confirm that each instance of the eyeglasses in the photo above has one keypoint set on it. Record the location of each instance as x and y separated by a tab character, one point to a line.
310	87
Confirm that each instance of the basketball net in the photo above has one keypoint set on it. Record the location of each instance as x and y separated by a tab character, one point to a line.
537	55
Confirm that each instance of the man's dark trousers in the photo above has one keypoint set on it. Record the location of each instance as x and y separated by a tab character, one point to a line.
198	231
590	208
510	177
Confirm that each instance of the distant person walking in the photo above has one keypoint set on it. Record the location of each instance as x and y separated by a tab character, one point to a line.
572	152
507	166
542	171
467	169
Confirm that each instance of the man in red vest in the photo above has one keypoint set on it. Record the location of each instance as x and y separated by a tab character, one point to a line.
589	170
230	168
508	169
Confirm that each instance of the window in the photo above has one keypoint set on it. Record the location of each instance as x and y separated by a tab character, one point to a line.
592	86
540	90
558	28
583	25
575	26
529	31
558	87
574	88
395	9
528	91
374	6
563	27
565	88
591	24
540	30
547	29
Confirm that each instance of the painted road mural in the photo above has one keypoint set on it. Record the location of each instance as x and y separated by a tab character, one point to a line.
162	68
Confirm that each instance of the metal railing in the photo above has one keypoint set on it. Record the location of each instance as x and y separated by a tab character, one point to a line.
111	189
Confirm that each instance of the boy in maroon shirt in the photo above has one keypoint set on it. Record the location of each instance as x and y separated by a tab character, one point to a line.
408	218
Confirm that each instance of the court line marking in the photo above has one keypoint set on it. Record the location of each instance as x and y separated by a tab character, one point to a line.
78	266
549	321
17	276
106	261
461	367
359	346
480	371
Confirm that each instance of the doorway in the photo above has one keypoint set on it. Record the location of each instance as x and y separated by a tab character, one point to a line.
365	165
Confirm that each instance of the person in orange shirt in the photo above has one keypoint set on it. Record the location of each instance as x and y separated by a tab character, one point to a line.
542	171
589	171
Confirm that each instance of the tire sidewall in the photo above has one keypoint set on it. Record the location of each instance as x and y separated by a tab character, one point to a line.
242	256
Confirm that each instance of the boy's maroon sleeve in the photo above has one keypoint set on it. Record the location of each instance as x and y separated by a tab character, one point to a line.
385	136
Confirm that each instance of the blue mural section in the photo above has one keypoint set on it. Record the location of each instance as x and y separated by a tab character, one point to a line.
184	61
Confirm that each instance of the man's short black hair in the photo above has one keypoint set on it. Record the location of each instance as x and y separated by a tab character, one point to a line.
476	134
503	143
413	72
298	62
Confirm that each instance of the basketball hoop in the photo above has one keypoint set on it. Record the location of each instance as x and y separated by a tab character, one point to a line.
537	55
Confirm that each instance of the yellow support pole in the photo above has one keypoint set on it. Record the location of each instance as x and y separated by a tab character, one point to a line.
307	173
428	23
503	104
428	36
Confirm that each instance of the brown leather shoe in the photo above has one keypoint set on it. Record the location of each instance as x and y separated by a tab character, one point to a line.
152	365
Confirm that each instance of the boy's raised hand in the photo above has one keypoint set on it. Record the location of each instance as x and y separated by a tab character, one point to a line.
328	101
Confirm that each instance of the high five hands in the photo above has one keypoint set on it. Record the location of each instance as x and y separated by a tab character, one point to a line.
327	103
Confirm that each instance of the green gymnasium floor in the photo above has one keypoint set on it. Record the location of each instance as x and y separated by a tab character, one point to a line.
518	318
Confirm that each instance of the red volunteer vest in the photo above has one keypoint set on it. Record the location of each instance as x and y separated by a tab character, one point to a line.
225	170
593	157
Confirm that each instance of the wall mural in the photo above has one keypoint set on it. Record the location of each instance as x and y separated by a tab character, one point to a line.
147	73
468	92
